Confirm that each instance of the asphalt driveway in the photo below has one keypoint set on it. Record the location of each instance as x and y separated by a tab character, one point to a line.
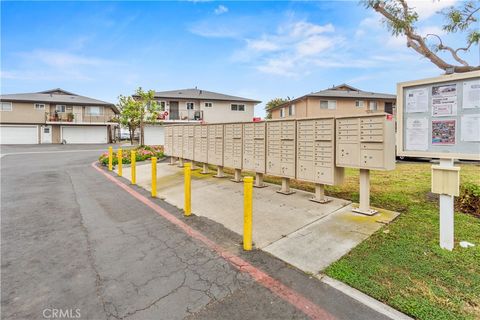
73	240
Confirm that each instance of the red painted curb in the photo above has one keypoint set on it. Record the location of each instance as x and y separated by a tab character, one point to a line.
291	296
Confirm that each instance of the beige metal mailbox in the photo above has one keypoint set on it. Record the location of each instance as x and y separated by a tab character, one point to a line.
168	140
215	147
254	135
233	145
316	155
188	141
177	143
281	150
200	151
366	142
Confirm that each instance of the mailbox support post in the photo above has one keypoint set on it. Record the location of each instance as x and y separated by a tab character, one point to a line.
220	173
204	168
180	162
446	214
286	187
238	176
320	194
172	161
259	180
365	194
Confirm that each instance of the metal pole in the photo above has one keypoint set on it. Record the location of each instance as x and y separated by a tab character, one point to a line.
187	208
120	162
154	177
110	158
446	215
247	213
133	164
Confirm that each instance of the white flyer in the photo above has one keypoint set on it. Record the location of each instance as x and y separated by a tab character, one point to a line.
471	94
416	134
416	100
470	129
444	100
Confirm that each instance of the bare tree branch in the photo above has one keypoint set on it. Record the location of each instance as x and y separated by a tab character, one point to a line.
453	52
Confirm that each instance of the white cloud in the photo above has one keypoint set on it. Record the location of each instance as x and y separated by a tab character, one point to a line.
262	45
221	9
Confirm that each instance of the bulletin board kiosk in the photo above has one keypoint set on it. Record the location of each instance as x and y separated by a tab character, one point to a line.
440	118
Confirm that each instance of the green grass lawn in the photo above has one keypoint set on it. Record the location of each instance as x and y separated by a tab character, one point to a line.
402	264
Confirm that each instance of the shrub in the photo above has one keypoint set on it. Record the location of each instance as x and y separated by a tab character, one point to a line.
142	153
469	200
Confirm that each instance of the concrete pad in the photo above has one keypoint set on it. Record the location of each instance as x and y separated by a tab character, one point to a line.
275	216
327	240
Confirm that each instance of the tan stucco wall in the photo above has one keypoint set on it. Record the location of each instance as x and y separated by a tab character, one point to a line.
23	113
310	108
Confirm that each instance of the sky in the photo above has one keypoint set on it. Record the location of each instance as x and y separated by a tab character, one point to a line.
258	50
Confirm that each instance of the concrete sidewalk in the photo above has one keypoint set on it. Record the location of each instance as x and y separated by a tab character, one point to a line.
307	235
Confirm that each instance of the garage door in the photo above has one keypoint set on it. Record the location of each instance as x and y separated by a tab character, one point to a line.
154	135
84	134
18	134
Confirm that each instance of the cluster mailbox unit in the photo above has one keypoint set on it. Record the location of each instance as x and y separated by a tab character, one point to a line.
215	147
281	153
200	151
366	142
188	141
254	139
232	153
316	155
314	150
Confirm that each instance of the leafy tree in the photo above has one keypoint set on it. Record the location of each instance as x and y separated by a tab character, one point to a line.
400	20
129	114
136	110
272	104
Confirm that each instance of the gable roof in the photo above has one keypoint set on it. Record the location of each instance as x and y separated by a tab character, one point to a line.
343	91
56	96
200	94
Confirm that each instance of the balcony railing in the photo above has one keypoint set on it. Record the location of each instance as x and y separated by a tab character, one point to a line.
74	117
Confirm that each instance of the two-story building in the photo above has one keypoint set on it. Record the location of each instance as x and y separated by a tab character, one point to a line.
196	105
338	100
55	116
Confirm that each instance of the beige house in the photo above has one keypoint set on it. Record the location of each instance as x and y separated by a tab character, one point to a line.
338	100
196	105
55	116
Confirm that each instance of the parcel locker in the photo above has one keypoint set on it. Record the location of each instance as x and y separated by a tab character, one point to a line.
315	152
200	149
233	145
188	141
215	144
281	148
177	144
254	147
168	140
366	142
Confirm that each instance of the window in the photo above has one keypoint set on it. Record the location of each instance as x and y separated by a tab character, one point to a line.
60	108
359	103
328	104
372	106
46	130
6	106
190	105
237	107
39	106
208	104
94	111
282	112
162	105
291	110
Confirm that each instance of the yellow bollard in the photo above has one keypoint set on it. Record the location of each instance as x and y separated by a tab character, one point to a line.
247	213
154	177
110	158
133	161
188	189
120	161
